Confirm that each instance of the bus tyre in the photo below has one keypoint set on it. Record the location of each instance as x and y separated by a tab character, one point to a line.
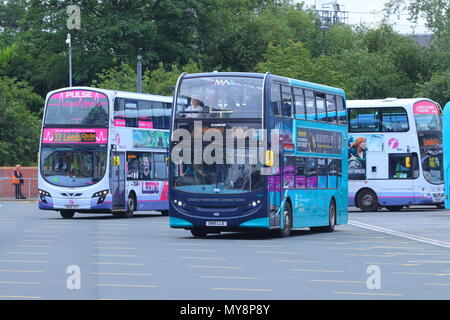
331	217
287	221
367	201
199	233
394	208
67	214
131	206
164	213
440	206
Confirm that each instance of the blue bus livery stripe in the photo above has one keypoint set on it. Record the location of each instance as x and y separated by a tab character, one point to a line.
256	223
177	222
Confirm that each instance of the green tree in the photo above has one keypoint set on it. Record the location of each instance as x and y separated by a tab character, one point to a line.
159	81
19	137
295	61
437	88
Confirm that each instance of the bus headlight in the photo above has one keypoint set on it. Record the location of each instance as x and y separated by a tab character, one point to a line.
102	193
43	194
254	203
178	203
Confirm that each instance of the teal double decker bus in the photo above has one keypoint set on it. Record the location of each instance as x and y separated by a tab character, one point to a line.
257	151
446	152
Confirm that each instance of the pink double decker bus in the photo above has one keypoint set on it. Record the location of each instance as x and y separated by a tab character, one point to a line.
104	151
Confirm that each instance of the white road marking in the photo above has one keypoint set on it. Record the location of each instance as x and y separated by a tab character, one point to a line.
124	285
115	248
370	294
400	234
116	255
315	270
280	252
23	261
203	258
297	261
121	274
28	253
216	267
22	271
20	297
19	282
118	263
229	277
195	250
243	289
338	281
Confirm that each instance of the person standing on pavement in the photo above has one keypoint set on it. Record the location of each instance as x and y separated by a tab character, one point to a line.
17	180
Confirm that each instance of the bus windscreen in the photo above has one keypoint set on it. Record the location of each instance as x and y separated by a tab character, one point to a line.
77	107
220	97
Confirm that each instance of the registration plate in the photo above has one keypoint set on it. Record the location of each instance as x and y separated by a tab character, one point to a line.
71	206
216	223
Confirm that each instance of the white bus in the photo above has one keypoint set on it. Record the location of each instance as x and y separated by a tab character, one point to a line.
395	153
104	151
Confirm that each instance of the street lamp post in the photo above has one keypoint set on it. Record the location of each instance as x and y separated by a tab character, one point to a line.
324	30
139	71
69	43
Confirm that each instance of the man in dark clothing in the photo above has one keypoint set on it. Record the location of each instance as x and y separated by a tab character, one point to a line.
18	181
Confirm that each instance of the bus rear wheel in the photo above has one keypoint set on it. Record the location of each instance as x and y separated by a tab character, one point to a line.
331	220
164	212
287	221
394	208
67	214
367	200
440	206
199	233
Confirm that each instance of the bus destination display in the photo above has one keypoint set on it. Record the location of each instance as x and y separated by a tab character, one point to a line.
74	137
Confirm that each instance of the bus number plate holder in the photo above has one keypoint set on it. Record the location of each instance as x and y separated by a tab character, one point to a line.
71	206
216	223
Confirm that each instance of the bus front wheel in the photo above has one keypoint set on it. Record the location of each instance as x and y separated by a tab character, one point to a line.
131	206
287	221
367	200
67	214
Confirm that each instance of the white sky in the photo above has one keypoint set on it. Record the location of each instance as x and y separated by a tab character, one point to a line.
370	13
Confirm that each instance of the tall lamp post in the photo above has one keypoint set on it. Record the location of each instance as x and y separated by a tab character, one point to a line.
69	43
139	71
324	30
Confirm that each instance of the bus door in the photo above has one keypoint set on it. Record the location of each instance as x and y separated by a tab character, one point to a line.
118	180
275	192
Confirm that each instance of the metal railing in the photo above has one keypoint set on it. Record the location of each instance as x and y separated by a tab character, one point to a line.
29	188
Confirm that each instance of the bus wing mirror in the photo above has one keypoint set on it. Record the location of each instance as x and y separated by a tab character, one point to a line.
116	161
269	158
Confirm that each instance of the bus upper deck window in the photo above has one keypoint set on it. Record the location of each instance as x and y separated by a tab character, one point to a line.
299	102
331	108
286	102
310	105
275	98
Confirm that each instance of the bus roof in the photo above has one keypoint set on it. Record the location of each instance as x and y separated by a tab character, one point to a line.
122	94
388	102
295	82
